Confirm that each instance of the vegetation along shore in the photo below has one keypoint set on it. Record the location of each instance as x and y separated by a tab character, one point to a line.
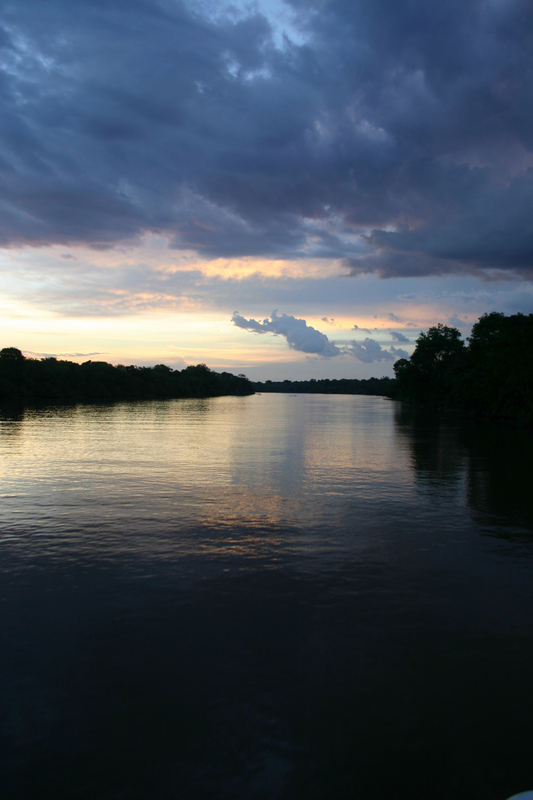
491	375
49	380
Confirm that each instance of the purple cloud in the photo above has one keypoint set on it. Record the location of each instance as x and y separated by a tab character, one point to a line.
395	137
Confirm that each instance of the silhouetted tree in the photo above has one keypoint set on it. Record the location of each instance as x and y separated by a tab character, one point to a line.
493	376
501	368
437	349
11	374
431	375
48	380
11	354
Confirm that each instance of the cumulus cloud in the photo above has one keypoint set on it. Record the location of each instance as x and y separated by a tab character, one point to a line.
393	136
399	337
398	352
301	336
368	351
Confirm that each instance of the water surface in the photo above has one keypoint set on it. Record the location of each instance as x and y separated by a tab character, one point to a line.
264	597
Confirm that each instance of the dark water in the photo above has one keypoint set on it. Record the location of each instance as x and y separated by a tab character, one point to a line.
264	597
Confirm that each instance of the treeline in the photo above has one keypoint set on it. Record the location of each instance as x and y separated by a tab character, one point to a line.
376	386
49	380
491	375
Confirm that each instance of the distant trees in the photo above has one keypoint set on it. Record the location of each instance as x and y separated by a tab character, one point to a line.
374	386
32	381
491	376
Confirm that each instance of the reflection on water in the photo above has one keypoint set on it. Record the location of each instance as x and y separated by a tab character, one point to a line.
489	461
264	597
114	479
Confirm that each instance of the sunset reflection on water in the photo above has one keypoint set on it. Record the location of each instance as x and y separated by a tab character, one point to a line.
263	591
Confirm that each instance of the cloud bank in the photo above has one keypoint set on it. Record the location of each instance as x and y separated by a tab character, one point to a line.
303	337
393	136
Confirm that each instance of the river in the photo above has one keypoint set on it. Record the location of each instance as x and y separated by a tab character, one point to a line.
273	596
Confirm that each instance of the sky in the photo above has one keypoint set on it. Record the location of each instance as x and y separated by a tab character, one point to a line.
280	188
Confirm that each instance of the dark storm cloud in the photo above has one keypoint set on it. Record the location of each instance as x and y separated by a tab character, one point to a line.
408	123
303	337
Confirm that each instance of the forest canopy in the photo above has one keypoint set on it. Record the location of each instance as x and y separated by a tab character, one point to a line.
49	380
489	375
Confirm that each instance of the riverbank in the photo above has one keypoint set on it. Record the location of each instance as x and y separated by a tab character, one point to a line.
29	381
